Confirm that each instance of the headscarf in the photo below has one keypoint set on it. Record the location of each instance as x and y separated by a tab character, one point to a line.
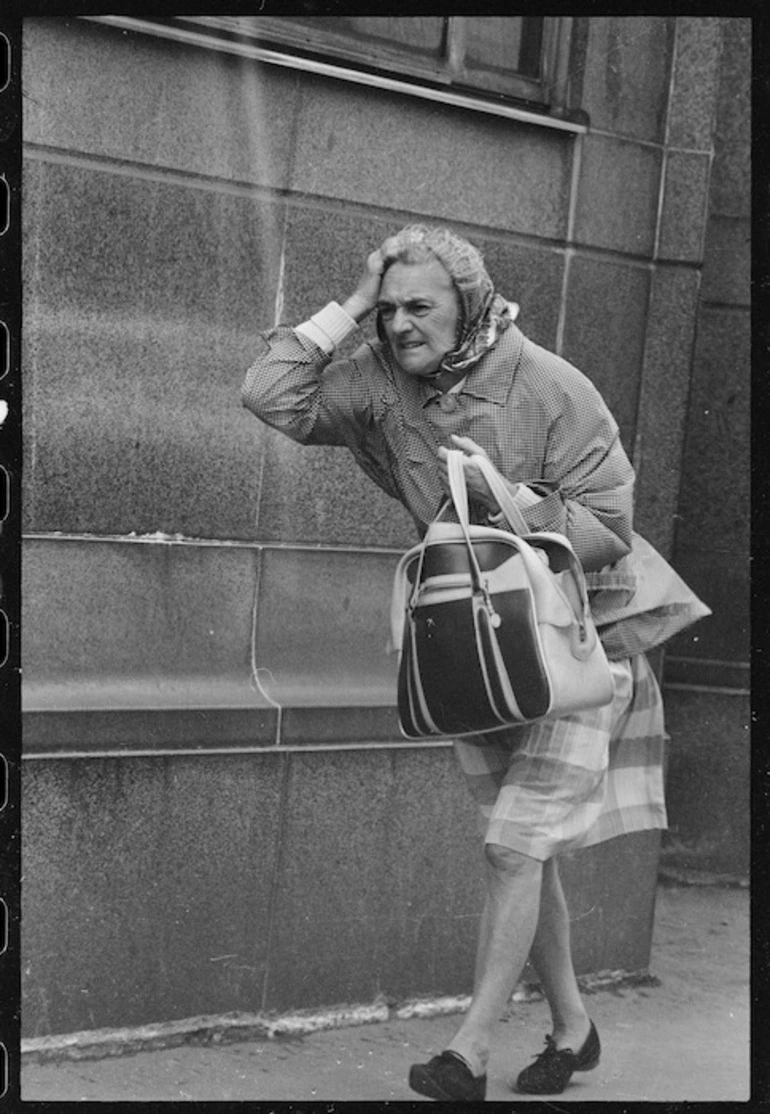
484	314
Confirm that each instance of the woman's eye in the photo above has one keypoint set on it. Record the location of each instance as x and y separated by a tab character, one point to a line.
420	309
386	312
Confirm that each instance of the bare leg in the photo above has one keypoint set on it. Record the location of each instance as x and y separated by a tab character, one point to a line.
552	957
507	929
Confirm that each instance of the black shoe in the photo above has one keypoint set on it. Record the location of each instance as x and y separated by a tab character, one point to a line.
447	1077
552	1069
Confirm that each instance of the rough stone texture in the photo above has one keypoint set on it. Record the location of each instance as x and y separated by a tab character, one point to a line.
662	416
358	875
323	626
197	111
161	250
685	204
311	725
147	886
380	861
102	610
135	351
514	176
626	178
717	453
604	333
659	1039
695	82
626	72
731	177
727	266
319	495
135	646
721	578
708	786
610	891
713	545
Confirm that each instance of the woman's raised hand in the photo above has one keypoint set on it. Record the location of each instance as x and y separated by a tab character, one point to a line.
363	300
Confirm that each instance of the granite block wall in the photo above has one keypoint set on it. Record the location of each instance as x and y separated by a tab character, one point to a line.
623	79
159	888
709	781
712	543
205	602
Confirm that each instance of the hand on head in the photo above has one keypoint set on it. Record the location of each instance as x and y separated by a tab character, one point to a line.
363	300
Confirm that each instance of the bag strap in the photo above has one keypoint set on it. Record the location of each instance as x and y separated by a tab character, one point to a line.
518	523
459	492
499	489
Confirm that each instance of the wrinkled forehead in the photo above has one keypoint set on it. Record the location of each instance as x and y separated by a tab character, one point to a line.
408	281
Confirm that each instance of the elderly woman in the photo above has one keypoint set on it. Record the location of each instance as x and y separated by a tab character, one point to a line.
452	370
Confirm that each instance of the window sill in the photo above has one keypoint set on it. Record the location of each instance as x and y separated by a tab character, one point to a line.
575	123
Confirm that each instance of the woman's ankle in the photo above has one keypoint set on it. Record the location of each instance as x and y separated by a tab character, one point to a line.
571	1032
474	1055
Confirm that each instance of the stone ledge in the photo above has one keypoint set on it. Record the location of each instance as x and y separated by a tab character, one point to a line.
200	713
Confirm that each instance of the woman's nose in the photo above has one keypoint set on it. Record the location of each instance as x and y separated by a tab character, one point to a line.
401	321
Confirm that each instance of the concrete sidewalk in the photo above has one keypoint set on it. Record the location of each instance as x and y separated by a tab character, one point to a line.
683	1038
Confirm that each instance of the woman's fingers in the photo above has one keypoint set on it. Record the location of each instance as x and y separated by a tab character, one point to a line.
468	445
476	483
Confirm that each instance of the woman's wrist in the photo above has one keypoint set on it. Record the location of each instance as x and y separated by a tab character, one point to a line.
329	327
357	307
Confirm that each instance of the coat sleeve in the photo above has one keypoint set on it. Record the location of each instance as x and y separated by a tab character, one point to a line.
589	477
297	388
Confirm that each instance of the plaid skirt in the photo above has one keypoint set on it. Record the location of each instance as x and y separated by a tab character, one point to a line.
558	785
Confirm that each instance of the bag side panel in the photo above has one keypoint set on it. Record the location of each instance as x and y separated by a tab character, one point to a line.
414	723
519	643
447	657
576	683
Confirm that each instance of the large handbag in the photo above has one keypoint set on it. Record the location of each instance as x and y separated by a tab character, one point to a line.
494	627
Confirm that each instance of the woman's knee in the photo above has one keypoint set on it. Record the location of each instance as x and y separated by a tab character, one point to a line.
508	861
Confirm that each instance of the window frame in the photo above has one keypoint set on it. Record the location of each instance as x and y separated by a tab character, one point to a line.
216	32
284	32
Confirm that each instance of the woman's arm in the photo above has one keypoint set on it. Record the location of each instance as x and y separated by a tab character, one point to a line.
589	481
593	480
289	387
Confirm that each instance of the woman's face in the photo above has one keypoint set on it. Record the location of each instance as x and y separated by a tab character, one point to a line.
420	312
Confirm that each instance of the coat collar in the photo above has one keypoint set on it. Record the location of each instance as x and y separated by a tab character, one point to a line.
491	378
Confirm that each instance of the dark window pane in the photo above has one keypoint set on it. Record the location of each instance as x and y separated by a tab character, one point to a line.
505	45
531	56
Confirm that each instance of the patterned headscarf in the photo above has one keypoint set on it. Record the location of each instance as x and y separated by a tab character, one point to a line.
483	313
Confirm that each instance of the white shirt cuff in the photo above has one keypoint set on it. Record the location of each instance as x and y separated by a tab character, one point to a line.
526	497
329	327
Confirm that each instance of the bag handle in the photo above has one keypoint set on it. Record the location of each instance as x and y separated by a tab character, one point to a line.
499	489
459	490
403	597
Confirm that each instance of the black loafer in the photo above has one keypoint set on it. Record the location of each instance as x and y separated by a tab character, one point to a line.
448	1078
552	1069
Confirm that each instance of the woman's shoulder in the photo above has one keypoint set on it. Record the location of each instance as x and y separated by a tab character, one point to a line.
553	376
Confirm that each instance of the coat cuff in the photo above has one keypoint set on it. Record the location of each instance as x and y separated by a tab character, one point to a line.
524	497
329	327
